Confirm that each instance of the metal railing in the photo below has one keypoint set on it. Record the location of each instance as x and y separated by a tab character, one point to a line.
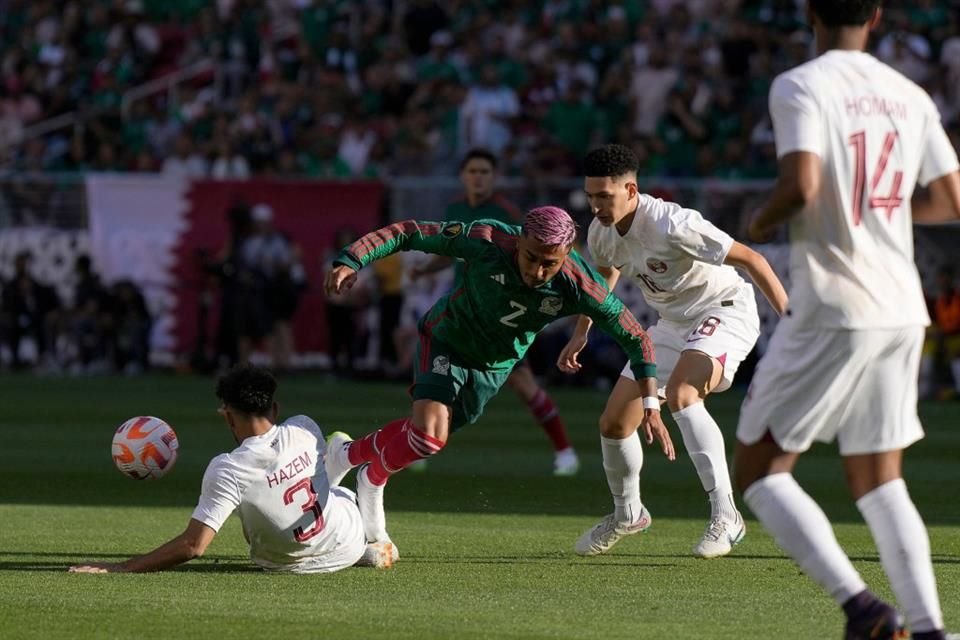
78	119
169	83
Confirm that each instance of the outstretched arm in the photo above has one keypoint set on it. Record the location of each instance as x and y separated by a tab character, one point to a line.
401	236
616	320
743	257
452	239
567	361
190	544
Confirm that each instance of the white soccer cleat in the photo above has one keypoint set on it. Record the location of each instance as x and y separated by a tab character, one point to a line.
566	463
608	532
720	536
336	462
379	555
370	501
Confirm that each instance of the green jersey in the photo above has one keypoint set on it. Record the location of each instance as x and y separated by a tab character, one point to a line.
491	318
496	207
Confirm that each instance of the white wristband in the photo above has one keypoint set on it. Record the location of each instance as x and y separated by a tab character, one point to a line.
651	402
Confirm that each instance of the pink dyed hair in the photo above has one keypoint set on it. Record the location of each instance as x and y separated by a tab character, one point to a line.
550	225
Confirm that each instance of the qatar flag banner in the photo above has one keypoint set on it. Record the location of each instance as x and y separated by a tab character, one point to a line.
136	223
160	232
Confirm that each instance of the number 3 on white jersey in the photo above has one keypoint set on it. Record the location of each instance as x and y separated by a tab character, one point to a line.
508	319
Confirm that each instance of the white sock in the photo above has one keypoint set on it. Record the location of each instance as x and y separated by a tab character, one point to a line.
955	370
801	529
622	461
904	552
704	442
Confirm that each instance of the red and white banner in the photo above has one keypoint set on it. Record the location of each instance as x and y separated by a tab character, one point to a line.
136	222
150	229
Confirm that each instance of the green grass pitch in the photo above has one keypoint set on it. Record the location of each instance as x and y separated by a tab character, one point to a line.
485	535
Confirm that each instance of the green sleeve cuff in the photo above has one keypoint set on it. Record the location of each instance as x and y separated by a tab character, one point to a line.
348	260
645	370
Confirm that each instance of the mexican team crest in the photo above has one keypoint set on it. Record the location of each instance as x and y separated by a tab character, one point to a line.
551	306
441	365
452	230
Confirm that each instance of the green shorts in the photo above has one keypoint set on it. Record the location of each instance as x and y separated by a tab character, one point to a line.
437	377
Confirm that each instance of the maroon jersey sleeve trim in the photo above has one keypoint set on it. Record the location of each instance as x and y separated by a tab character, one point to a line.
590	286
504	240
380	237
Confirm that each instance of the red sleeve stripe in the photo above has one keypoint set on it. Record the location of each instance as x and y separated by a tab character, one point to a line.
573	267
632	326
360	247
367	243
424	352
374	239
590	286
586	284
504	240
378	238
629	323
430	324
429	228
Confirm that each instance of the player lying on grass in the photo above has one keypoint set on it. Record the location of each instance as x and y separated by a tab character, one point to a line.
516	280
292	518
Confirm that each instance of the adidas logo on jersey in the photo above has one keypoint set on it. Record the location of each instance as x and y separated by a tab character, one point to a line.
499	278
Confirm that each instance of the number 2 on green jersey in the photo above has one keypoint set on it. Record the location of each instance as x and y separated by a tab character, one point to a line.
509	318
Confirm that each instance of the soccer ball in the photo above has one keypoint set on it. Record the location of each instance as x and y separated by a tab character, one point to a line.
145	448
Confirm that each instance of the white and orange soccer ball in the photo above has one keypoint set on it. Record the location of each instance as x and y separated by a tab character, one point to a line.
145	448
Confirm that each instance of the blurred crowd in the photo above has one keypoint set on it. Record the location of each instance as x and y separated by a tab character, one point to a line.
376	88
78	325
95	329
260	278
383	88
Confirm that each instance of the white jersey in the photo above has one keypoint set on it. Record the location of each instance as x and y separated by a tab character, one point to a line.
877	134
673	255
278	482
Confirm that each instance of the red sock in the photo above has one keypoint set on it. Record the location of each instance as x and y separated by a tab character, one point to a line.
545	412
367	448
404	448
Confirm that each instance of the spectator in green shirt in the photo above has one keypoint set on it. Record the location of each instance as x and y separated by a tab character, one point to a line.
572	120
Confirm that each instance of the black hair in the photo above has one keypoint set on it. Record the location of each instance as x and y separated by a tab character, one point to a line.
844	13
610	161
248	389
479	154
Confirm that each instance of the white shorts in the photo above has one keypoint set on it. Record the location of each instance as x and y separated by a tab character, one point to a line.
726	332
859	387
